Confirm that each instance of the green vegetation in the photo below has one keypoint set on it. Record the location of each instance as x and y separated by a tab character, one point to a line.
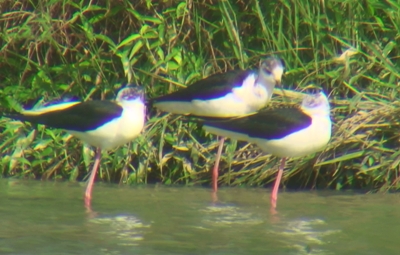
55	49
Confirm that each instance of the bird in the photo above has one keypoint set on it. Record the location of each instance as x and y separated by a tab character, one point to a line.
291	131
104	124
228	94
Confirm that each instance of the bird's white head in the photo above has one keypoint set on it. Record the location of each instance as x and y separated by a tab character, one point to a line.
271	71
316	104
130	93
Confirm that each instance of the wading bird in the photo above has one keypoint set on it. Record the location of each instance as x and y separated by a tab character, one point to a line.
229	94
284	132
104	124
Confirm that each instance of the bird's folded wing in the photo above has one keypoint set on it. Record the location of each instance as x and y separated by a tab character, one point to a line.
214	86
266	124
74	116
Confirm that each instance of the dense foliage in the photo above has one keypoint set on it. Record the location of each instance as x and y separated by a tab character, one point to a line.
57	49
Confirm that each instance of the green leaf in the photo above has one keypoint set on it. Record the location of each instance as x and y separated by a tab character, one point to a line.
138	45
129	40
345	157
105	39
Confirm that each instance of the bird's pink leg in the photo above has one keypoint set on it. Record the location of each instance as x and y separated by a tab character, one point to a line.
89	187
216	166
274	195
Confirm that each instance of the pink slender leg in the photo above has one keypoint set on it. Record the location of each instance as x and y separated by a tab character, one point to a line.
216	166
89	187
274	195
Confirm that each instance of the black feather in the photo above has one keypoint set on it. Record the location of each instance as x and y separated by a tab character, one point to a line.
82	117
214	86
274	123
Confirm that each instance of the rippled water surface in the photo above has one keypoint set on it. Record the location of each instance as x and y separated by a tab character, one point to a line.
49	218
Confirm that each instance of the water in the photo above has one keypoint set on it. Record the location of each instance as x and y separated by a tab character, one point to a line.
49	218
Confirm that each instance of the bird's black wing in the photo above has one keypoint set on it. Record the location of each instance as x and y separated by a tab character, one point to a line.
274	123
214	86
82	117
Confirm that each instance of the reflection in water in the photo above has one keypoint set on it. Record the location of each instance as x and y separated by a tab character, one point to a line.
229	214
306	236
127	229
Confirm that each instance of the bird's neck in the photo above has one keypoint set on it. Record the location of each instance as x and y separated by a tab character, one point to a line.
267	82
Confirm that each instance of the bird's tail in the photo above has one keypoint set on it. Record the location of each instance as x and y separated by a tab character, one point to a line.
19	116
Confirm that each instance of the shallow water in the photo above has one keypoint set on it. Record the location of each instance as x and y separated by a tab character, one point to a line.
49	218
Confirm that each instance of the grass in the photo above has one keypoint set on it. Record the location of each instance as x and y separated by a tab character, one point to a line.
57	49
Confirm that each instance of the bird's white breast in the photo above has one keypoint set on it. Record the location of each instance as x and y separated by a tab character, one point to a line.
119	130
303	142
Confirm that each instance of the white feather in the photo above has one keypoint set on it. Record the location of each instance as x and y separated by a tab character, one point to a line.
303	142
244	99
118	131
300	143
